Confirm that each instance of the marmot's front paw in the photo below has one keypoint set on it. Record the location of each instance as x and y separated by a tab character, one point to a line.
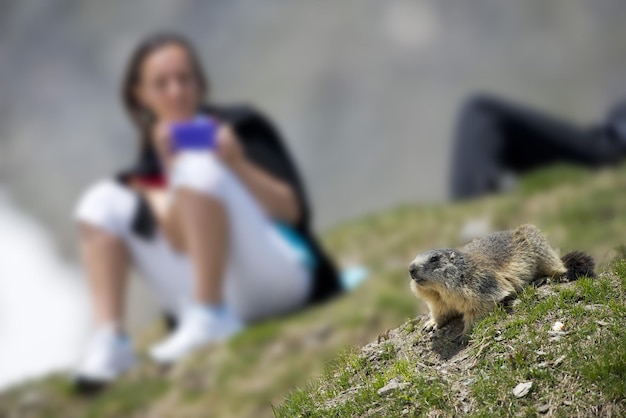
430	325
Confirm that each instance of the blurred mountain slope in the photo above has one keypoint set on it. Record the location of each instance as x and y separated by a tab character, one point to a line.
575	209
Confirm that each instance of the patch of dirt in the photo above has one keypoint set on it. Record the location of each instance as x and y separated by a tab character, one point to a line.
438	354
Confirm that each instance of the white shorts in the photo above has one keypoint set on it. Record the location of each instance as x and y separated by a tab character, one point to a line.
264	274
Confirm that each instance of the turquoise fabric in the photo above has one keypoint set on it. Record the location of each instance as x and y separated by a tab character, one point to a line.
298	242
350	278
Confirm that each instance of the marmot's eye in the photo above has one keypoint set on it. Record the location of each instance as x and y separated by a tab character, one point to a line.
434	259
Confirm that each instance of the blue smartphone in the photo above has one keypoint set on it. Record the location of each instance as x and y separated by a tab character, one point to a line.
196	134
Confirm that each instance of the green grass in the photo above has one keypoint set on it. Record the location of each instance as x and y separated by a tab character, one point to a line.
581	372
279	366
593	355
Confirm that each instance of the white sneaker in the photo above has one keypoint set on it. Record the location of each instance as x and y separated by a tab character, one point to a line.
109	355
198	327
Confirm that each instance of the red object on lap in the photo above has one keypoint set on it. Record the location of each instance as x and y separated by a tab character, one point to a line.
151	182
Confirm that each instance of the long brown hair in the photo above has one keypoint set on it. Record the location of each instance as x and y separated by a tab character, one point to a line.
142	117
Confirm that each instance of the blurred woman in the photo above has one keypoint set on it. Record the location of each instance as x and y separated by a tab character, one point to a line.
222	236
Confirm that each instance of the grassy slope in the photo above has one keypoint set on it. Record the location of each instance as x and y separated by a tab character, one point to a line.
580	371
577	210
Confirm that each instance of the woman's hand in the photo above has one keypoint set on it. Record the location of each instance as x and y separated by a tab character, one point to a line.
229	150
275	196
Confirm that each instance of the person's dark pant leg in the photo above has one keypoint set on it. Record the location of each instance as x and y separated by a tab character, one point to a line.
495	136
476	151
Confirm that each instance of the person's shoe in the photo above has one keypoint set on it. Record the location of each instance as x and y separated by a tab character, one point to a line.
108	356
199	326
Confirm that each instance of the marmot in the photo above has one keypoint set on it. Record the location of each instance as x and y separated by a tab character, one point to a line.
470	281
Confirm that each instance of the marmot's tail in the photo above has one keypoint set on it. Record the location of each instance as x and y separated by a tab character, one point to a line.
578	264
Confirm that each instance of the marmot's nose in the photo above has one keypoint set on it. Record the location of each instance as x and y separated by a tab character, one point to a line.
413	270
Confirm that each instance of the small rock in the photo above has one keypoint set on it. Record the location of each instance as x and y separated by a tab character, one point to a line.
558	361
567	403
391	386
522	389
540	353
475	228
542	409
603	323
558	326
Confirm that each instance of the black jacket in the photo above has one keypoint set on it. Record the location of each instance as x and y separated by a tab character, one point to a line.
263	146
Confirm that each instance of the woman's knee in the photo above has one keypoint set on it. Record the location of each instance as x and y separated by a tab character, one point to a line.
99	239
107	205
202	172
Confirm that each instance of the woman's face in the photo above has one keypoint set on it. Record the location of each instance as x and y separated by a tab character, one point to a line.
167	84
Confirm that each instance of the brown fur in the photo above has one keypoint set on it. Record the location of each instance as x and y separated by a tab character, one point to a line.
472	280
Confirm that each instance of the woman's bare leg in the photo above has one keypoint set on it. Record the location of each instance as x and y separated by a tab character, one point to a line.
204	224
106	261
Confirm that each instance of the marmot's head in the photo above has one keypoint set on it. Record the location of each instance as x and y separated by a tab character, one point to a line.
438	267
